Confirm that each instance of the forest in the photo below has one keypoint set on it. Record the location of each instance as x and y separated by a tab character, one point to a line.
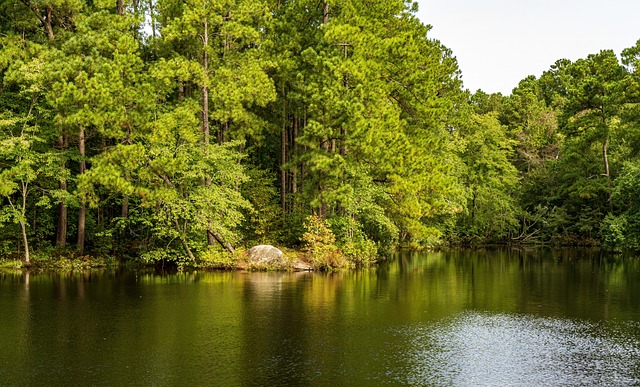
191	130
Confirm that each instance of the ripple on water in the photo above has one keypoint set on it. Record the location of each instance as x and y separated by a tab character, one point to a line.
484	349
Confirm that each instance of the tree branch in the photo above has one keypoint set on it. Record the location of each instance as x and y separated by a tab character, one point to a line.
46	21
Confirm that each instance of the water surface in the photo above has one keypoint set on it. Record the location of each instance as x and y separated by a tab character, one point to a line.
455	318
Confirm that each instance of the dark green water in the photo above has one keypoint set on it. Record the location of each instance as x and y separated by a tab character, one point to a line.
481	318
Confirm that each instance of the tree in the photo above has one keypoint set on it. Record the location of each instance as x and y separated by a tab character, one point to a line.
375	93
595	99
622	230
489	178
93	87
41	22
166	170
213	45
532	124
590	98
24	165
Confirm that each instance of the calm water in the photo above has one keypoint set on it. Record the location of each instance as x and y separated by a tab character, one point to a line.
481	318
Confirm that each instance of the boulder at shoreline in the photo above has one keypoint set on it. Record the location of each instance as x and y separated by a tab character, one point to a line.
266	255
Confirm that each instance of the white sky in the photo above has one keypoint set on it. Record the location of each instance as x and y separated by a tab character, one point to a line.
500	42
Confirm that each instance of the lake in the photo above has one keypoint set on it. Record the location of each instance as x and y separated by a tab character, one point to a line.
464	318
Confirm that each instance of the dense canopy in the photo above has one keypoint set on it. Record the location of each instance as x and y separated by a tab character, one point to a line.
183	130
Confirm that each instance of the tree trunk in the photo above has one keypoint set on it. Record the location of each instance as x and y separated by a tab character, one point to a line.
61	235
206	129
325	13
210	239
294	177
302	169
152	19
605	156
23	225
224	132
120	7
187	249
83	207
283	156
343	129
45	20
81	227
47	25
205	86
136	27
473	207
180	90
25	241
124	212
323	209
221	240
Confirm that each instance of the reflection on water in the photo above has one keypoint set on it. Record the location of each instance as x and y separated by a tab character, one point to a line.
483	349
447	318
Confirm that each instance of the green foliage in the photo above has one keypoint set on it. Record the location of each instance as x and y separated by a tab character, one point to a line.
216	258
294	227
623	230
353	242
373	221
167	174
238	120
10	264
164	255
589	102
214	45
491	210
532	125
264	217
615	232
319	243
24	170
375	94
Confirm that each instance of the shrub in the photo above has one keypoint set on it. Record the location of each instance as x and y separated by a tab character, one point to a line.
216	258
319	243
354	244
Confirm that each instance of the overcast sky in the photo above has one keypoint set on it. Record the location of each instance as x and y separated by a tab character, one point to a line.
500	42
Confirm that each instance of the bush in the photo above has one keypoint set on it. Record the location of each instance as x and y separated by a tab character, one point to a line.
354	244
10	264
154	256
319	243
362	252
215	258
613	230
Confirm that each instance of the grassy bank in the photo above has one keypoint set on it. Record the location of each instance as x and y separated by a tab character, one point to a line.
291	260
